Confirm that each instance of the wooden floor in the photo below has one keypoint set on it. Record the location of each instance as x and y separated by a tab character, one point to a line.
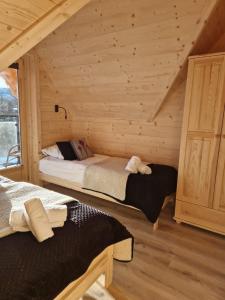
177	262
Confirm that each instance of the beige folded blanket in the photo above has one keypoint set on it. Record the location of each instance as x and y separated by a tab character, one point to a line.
37	219
108	177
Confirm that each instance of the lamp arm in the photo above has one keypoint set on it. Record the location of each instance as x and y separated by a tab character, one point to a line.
57	107
64	111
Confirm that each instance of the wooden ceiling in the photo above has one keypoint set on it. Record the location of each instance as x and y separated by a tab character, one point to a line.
24	23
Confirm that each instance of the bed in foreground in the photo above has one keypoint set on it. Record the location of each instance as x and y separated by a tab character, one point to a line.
64	266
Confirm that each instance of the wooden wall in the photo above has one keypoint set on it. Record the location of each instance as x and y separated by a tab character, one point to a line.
156	141
54	127
110	65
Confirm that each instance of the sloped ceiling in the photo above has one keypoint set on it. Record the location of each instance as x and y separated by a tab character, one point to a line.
130	50
24	23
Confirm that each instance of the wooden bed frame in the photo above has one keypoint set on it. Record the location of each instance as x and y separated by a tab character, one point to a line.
102	264
71	185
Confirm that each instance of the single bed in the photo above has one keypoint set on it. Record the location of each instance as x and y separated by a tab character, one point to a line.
66	265
148	193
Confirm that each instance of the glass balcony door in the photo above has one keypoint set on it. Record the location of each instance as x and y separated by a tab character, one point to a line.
10	129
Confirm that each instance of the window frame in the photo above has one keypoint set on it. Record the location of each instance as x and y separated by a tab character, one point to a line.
21	168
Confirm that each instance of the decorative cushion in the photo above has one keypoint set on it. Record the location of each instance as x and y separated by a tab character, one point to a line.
81	149
53	151
66	150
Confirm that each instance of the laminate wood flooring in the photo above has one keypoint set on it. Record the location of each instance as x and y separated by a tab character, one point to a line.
177	262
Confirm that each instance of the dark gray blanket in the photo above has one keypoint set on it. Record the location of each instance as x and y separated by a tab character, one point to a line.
39	271
147	192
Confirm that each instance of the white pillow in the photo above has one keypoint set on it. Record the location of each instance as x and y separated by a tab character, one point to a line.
53	151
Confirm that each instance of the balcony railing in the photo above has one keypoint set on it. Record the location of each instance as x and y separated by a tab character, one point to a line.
9	140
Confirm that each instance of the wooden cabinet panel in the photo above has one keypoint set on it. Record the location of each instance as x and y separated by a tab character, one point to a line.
195	186
219	199
201	131
205	98
200	216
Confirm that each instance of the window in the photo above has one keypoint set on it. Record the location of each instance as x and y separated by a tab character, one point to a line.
10	141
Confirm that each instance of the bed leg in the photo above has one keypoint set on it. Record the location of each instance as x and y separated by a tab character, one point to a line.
156	225
109	268
168	199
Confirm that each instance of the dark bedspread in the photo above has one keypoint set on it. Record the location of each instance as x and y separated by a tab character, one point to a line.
40	271
147	192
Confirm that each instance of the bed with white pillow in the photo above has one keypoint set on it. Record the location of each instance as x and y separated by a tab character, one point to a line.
72	171
107	177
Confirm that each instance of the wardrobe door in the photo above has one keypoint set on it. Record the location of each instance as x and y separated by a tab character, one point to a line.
219	198
201	130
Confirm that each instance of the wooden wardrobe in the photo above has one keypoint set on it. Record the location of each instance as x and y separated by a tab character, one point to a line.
200	199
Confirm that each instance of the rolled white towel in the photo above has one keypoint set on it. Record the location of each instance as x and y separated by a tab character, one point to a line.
56	214
57	224
25	228
37	219
17	218
133	164
143	169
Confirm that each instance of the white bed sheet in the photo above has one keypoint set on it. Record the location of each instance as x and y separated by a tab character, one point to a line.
69	170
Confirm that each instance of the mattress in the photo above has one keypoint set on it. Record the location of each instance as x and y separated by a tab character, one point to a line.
68	170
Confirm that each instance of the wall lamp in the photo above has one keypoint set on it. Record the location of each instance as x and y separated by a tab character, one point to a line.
57	108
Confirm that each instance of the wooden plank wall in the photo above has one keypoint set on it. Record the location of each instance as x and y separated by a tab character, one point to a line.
109	65
54	127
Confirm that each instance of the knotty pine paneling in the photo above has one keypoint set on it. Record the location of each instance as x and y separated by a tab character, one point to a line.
156	141
54	127
17	16
111	64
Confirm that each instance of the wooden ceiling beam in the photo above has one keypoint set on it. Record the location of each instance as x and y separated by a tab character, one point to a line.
39	30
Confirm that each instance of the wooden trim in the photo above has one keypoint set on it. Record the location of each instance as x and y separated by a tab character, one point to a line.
102	264
199	216
32	94
71	185
39	30
188	49
23	118
180	221
202	56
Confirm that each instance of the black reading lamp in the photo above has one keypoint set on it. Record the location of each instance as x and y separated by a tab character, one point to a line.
57	107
